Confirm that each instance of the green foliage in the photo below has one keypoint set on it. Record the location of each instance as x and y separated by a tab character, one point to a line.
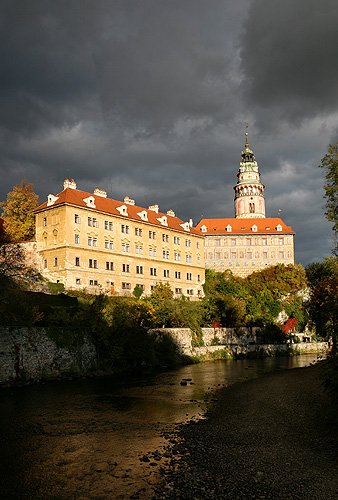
15	307
330	164
137	292
18	215
257	299
56	287
323	307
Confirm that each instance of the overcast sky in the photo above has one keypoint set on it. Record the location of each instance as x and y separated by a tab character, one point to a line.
149	98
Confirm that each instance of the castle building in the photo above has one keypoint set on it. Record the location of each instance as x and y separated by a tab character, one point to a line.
249	241
87	240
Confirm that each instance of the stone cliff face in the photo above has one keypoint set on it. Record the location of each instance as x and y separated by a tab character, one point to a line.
32	354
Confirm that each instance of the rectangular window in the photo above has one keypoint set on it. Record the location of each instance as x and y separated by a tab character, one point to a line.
45	263
178	291
165	238
90	221
189	276
139	249
233	255
126	286
78	281
198	278
108	225
77	219
139	285
249	255
92	263
178	275
125	247
198	244
124	229
265	255
190	291
264	242
233	242
139	269
138	231
110	266
152	235
248	241
125	268
92	242
188	258
188	243
77	261
281	255
281	241
55	261
165	254
217	255
177	240
76	239
153	271
166	273
217	243
177	256
93	282
44	221
109	245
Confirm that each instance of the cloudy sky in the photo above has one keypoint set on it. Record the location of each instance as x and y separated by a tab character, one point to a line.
149	98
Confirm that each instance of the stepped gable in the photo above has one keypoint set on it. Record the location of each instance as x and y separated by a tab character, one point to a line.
109	206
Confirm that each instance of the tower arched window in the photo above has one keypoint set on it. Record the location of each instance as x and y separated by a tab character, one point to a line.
252	208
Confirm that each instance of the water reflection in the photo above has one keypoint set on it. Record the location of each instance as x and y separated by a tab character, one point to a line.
86	438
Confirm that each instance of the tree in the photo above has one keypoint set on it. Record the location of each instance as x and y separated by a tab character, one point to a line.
18	213
330	164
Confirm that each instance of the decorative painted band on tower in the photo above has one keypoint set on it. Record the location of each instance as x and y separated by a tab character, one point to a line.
249	191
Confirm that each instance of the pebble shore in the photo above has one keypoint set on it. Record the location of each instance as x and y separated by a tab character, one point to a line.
274	437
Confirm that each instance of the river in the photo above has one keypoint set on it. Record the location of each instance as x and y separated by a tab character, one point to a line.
105	438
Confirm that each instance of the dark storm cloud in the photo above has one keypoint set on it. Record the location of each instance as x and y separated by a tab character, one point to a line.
149	98
289	56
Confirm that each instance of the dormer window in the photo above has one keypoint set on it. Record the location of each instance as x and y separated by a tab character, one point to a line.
163	220
51	199
254	228
186	226
122	209
228	228
171	213
279	228
90	201
204	228
143	215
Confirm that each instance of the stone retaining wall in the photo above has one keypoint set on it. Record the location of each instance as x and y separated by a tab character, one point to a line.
31	354
232	342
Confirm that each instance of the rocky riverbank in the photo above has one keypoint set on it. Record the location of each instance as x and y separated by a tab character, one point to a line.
272	438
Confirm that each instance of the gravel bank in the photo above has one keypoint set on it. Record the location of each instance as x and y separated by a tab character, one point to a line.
274	437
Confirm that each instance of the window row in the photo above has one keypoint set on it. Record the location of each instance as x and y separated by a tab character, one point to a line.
245	241
126	268
249	255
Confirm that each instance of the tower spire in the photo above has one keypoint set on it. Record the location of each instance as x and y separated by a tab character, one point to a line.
249	191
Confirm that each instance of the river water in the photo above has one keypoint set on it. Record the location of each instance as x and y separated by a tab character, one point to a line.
105	438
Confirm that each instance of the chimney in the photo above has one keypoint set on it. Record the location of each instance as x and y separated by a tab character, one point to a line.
100	192
129	201
171	213
154	208
191	223
69	183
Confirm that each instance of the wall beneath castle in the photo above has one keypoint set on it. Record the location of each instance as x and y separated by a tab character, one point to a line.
31	354
231	342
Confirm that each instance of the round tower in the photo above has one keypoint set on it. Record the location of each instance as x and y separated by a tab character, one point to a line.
249	191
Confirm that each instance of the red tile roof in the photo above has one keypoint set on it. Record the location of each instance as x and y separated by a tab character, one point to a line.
243	226
109	206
